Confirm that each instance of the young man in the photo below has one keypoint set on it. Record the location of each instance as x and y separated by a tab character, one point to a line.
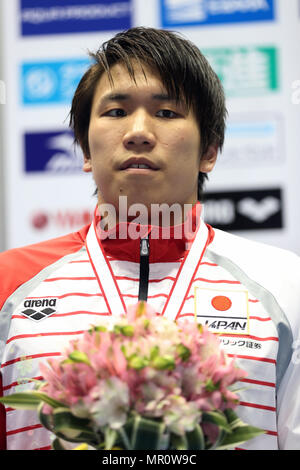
149	115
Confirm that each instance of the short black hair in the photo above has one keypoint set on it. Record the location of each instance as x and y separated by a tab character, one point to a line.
183	69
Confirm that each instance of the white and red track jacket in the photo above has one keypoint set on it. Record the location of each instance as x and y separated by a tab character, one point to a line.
247	292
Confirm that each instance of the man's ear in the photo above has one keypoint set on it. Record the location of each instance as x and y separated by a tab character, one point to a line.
87	165
208	159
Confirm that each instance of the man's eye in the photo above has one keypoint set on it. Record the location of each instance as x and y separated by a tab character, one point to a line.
117	112
166	113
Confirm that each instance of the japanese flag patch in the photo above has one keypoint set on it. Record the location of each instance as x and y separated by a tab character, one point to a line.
223	311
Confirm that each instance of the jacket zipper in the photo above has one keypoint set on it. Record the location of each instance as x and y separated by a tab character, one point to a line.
144	269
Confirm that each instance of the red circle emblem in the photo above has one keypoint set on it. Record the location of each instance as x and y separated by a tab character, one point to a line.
221	302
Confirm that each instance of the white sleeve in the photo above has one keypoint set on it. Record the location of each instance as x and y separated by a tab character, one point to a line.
288	403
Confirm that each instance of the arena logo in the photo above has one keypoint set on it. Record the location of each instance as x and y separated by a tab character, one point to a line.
62	219
40	17
205	12
52	152
39	309
51	82
244	210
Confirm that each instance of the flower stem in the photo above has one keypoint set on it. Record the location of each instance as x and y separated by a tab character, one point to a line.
125	439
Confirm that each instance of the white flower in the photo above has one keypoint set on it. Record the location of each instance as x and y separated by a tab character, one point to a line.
181	416
111	403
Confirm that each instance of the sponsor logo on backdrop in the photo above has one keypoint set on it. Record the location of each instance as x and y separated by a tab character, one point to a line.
208	12
51	82
40	17
244	210
52	152
253	139
246	70
64	219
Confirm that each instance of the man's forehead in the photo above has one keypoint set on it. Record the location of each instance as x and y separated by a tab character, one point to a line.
121	85
120	77
137	68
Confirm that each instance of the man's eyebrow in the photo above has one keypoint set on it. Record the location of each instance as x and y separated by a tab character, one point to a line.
162	97
126	96
115	97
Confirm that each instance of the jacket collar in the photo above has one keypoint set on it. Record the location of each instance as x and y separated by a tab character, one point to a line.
167	244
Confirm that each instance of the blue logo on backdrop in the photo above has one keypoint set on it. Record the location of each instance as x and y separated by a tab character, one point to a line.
208	12
52	152
74	16
51	82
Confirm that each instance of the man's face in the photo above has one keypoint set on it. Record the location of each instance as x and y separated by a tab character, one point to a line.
143	144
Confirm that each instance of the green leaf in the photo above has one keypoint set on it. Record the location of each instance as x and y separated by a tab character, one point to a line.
231	415
183	352
137	362
128	426
195	439
98	328
110	438
46	399
88	438
29	400
64	419
45	419
233	420
154	351
23	400
125	442
78	356
240	435
179	442
218	418
146	434
57	445
166	362
127	330
210	386
221	436
70	427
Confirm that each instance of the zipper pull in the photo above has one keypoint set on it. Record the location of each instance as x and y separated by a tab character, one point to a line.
144	269
144	247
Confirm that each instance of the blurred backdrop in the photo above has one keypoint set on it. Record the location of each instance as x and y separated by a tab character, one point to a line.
253	45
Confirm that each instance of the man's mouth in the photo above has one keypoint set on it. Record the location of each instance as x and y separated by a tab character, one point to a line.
139	163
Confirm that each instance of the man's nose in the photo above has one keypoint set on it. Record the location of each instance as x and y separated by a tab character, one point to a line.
139	133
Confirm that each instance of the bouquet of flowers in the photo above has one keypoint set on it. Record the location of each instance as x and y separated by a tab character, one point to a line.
145	383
